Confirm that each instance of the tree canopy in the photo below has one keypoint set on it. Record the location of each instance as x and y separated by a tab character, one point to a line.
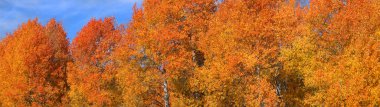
201	53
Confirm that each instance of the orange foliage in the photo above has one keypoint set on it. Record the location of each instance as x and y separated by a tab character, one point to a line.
201	53
92	72
33	70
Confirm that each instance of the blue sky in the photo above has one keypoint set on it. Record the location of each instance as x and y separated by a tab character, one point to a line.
73	14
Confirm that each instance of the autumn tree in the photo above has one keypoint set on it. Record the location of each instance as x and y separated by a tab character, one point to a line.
241	50
57	75
33	70
92	71
3	46
162	38
350	46
300	57
135	83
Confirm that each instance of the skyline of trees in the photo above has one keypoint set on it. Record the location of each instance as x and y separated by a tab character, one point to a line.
201	53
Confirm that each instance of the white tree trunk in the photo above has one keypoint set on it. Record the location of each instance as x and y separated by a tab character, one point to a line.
166	94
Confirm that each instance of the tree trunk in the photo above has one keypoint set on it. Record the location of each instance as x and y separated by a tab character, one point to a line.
166	94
